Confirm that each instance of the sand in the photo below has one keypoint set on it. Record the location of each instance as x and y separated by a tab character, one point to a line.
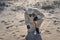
12	20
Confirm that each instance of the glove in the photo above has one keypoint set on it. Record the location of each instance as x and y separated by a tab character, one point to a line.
28	26
35	18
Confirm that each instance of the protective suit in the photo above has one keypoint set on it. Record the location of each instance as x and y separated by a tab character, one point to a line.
33	20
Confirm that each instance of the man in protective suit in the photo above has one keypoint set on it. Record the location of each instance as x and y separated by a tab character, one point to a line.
33	20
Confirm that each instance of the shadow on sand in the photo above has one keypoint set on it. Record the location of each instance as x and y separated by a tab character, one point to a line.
32	36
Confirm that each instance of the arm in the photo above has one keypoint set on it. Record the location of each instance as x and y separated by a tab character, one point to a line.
26	18
38	12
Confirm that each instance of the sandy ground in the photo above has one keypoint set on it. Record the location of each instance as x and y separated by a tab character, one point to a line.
12	20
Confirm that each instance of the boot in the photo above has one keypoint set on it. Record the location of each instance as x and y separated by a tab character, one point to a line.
37	31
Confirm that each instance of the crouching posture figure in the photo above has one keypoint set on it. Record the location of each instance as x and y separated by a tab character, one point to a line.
33	20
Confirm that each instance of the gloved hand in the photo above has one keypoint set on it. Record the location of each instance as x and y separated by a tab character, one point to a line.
28	26
35	18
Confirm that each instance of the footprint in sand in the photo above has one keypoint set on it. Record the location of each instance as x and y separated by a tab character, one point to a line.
22	35
9	26
47	31
56	22
6	23
58	29
1	38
